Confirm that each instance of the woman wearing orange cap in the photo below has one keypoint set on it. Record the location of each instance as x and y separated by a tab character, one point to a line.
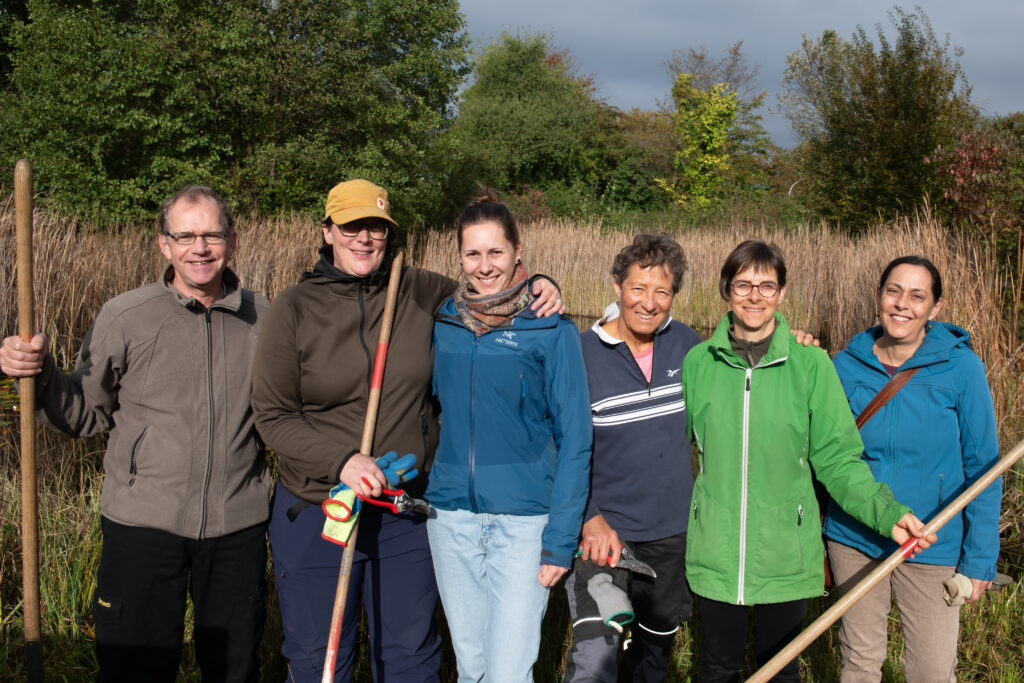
310	386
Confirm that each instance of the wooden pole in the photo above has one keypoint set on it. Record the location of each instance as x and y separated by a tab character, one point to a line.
365	447
27	390
775	664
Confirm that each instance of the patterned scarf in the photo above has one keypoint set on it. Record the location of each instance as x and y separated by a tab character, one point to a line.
481	313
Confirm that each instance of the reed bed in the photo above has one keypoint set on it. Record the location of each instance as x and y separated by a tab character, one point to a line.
832	280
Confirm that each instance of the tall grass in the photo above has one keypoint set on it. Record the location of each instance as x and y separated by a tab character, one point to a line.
832	279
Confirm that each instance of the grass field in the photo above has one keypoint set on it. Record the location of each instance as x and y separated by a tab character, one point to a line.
831	283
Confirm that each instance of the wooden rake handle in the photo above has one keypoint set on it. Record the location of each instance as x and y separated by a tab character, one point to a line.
29	501
819	625
366	447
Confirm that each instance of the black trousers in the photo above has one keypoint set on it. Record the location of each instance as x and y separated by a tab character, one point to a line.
724	629
139	606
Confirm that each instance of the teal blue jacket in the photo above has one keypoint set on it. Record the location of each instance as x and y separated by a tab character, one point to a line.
515	424
932	440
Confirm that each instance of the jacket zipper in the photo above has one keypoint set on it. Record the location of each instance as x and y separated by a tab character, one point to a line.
743	483
889	451
472	423
209	423
364	287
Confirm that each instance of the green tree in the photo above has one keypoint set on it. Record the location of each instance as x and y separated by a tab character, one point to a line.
869	117
529	121
10	12
704	118
747	173
118	102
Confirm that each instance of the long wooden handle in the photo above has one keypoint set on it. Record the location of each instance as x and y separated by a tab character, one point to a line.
775	664
366	447
29	502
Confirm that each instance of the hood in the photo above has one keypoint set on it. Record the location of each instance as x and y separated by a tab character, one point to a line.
940	339
325	272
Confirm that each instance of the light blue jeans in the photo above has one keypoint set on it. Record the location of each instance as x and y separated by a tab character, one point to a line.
486	567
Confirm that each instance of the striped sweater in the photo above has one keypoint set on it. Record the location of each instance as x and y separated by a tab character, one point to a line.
641	477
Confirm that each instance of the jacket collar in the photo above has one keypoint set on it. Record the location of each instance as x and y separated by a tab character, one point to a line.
613	311
777	352
231	301
526	320
940	339
324	271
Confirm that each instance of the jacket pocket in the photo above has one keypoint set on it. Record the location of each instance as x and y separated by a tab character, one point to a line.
710	540
133	468
778	546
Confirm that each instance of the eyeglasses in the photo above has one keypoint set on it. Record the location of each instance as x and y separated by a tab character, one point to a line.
767	289
377	231
187	239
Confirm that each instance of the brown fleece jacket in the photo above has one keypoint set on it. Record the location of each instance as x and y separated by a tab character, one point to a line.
314	360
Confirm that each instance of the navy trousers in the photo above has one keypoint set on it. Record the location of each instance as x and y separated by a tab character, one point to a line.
392	576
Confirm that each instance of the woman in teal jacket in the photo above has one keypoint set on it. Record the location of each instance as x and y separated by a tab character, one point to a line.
510	477
934	438
767	415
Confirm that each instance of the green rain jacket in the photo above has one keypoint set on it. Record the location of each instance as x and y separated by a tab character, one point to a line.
754	533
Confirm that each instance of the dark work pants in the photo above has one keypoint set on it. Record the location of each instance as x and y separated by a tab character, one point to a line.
659	605
392	575
724	629
139	606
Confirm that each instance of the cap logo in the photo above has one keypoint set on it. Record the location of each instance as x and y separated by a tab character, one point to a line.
381	204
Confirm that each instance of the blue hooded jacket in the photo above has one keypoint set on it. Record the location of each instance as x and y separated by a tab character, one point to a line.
934	438
515	424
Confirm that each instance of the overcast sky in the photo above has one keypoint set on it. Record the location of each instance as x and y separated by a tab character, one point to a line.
623	44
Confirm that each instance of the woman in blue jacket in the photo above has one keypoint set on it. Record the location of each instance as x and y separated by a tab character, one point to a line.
510	477
934	438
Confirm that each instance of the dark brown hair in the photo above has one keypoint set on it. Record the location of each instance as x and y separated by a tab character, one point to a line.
752	254
914	261
648	251
486	208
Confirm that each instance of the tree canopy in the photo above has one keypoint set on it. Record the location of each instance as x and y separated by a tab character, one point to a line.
868	117
118	102
722	148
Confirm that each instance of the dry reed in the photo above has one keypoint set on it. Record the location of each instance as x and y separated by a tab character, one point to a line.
832	280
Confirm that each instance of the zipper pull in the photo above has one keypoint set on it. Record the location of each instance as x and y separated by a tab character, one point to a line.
695	514
748	384
799	514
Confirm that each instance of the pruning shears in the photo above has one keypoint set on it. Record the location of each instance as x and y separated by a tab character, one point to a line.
397	500
627	561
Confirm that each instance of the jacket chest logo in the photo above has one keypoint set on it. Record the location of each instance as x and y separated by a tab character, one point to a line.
673	373
507	338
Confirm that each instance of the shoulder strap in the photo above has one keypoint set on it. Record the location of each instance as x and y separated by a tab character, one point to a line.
888	391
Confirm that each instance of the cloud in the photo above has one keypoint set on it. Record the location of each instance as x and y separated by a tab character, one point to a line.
624	45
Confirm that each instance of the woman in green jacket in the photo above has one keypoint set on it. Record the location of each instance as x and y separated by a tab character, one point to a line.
764	411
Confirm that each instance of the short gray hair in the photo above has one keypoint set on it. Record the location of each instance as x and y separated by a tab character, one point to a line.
192	193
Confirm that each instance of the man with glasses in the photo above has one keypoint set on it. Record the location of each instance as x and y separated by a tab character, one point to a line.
166	368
